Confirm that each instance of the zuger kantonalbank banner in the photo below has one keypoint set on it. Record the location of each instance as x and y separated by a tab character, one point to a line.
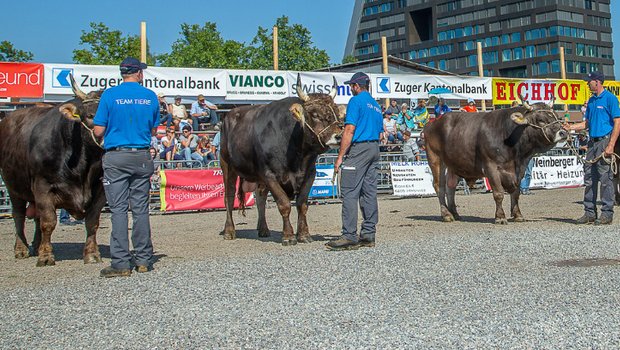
564	91
421	86
170	81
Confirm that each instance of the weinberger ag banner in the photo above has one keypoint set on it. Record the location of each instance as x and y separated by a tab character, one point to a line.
564	91
21	80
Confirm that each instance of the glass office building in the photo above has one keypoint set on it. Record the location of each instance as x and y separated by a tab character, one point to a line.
519	39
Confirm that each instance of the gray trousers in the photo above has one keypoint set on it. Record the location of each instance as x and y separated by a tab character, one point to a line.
599	172
358	185
126	180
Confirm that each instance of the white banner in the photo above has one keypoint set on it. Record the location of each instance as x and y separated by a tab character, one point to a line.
412	179
256	85
319	82
411	86
557	171
169	81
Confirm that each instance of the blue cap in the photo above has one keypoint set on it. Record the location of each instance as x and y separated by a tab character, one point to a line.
596	75
358	78
131	65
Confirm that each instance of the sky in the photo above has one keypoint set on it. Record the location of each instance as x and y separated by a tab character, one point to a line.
51	29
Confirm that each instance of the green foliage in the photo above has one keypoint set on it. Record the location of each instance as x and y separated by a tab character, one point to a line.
107	46
295	48
349	59
204	47
8	53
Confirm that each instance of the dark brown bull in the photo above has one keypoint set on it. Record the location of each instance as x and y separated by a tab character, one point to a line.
276	146
496	144
50	159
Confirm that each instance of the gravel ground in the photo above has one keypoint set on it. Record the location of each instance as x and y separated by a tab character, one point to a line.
545	283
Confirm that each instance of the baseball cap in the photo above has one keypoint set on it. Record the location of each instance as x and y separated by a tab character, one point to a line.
359	78
470	100
388	112
596	75
201	97
177	97
161	94
131	65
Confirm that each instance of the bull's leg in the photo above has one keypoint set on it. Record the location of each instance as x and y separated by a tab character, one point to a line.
91	253
47	222
452	181
439	183
230	181
284	206
498	195
303	233
19	218
261	203
514	206
36	239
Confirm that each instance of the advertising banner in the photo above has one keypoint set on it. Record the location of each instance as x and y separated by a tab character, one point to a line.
557	171
257	85
169	81
195	190
612	86
564	91
21	79
323	186
319	82
412	179
408	86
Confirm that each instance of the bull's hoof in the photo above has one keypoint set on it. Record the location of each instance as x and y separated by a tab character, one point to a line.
457	217
264	233
48	261
287	242
501	221
448	218
229	236
92	259
21	254
519	219
305	239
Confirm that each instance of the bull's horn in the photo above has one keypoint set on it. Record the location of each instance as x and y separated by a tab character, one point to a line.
551	102
334	90
525	104
300	90
76	90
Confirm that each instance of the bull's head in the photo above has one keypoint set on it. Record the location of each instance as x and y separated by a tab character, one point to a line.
319	115
540	116
83	107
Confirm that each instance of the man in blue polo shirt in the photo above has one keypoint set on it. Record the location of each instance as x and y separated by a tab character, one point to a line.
602	119
357	163
127	117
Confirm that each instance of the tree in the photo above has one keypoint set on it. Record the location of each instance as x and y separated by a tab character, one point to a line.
8	53
349	59
295	48
204	47
107	46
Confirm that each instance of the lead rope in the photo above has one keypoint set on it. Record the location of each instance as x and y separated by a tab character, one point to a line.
318	136
92	133
611	160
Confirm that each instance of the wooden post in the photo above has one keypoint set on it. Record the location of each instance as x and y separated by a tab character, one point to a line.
143	42
275	47
563	71
385	64
481	71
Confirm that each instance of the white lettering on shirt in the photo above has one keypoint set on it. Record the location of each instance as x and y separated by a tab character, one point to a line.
133	101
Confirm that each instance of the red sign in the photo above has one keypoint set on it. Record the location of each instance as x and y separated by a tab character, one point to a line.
21	80
195	190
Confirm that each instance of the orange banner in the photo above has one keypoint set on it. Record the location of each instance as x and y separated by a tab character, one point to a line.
195	190
21	80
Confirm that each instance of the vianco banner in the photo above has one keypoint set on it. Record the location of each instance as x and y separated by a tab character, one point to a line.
169	81
21	80
421	86
256	85
564	91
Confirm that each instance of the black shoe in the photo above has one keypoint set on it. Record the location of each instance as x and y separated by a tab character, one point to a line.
142	268
112	272
367	243
342	244
604	220
585	219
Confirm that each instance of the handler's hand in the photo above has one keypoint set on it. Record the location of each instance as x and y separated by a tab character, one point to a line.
566	126
337	165
609	150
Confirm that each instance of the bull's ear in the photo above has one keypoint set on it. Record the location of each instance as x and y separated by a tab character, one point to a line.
342	111
69	111
518	118
298	112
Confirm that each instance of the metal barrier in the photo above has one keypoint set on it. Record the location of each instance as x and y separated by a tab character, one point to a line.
5	201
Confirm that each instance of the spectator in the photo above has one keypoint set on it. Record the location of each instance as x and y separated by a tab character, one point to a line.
421	142
407	118
165	110
393	108
420	114
524	186
155	177
583	110
179	113
169	145
441	108
390	133
470	107
216	144
581	143
188	142
410	147
203	111
65	219
204	151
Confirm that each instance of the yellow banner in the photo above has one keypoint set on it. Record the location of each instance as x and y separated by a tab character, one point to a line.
613	87
573	92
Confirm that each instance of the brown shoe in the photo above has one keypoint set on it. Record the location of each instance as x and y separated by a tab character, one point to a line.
109	272
604	220
585	219
342	244
367	243
142	269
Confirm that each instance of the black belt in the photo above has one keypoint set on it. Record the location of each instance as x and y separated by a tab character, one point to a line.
126	149
367	141
597	139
